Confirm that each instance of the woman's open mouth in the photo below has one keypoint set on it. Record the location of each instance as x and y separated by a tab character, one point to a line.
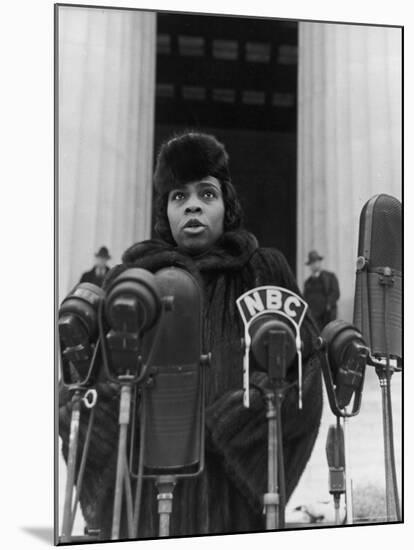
193	227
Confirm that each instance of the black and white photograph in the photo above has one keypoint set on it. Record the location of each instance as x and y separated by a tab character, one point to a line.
229	273
226	332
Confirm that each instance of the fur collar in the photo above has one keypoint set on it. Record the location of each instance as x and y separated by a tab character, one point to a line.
231	252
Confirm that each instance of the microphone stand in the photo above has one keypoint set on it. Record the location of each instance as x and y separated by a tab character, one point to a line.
165	485
126	380
274	509
122	476
348	478
132	372
69	510
165	482
392	504
274	499
384	372
355	369
71	466
89	399
335	454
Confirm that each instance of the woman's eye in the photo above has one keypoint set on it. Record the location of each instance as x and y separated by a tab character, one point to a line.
178	195
209	194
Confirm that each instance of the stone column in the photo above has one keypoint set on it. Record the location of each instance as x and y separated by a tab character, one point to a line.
349	139
106	85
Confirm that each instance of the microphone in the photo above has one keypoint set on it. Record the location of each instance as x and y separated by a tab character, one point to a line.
378	291
343	359
272	317
335	455
78	331
132	307
343	365
273	344
377	312
174	394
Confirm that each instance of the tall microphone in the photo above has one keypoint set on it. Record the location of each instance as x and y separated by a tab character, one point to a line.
173	396
173	409
132	307
378	291
377	312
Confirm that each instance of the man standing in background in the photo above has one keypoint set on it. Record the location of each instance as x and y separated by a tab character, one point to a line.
321	291
97	274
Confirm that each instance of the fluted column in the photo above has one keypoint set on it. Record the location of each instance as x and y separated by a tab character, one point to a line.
106	82
349	139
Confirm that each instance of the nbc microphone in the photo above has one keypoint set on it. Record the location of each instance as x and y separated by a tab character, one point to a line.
273	344
272	317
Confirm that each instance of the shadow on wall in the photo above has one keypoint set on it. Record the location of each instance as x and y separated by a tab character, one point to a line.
43	533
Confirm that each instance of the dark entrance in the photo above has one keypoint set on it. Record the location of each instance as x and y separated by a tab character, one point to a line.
237	78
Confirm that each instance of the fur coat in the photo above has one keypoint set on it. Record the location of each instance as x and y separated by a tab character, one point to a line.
228	496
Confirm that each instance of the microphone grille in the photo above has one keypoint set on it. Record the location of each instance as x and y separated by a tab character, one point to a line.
380	234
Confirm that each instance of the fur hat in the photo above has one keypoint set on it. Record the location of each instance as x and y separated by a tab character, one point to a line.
190	157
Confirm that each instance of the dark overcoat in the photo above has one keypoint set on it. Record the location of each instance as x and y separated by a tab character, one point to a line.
228	495
322	294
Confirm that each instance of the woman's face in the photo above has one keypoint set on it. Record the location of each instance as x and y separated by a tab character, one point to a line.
196	214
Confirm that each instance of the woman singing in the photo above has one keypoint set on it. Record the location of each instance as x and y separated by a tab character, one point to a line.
199	224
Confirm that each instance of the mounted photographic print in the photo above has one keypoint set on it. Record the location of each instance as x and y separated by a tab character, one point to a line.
229	274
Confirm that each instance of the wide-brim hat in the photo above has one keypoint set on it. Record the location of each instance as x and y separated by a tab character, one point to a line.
103	252
313	256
